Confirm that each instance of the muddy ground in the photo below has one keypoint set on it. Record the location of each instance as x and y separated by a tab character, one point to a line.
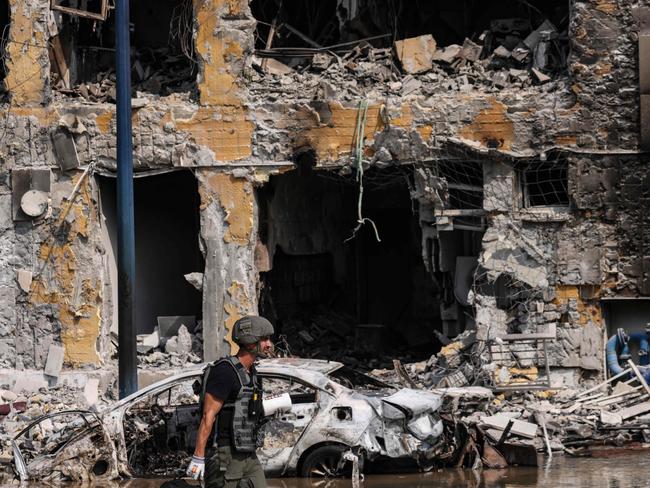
621	469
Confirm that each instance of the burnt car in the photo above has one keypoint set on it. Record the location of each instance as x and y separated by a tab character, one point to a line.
335	412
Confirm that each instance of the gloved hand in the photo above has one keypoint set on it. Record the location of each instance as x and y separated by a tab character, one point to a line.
196	468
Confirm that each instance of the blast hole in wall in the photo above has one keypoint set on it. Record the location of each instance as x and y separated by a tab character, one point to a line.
360	301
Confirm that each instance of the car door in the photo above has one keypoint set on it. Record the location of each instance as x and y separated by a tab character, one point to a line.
281	431
160	429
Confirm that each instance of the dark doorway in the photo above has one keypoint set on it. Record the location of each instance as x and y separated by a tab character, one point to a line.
333	296
167	244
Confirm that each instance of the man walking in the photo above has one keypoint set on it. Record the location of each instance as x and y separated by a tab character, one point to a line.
232	395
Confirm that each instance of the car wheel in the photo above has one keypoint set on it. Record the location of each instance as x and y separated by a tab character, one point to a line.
323	462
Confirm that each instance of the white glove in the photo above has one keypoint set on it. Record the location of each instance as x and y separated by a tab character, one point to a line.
196	468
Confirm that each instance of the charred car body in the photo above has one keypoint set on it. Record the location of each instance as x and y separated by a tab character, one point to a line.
153	431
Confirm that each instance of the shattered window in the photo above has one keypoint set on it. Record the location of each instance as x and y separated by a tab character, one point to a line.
299	392
82	48
180	394
545	184
464	183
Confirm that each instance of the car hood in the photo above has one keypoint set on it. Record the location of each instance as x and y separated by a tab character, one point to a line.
415	402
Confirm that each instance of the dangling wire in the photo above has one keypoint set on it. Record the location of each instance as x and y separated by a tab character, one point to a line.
362	116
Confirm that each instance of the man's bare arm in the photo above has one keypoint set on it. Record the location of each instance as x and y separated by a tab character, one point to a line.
211	407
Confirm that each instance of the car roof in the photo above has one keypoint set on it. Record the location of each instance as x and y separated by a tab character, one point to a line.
305	368
318	365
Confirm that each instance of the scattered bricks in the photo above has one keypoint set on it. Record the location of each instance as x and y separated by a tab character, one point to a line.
416	54
54	361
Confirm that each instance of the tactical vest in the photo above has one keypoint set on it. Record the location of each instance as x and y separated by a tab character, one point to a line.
247	407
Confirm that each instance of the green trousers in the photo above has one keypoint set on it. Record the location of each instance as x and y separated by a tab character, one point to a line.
226	468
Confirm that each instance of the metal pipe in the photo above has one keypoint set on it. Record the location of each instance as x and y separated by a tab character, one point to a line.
128	373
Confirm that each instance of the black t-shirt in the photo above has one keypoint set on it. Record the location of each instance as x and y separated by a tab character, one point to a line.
223	384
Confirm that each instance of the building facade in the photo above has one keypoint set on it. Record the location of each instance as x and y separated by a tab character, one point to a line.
505	186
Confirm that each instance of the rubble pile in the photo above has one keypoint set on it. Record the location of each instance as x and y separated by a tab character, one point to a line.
518	422
181	348
459	363
501	57
155	71
18	409
325	333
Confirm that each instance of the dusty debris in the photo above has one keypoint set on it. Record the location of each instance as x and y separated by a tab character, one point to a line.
54	361
416	54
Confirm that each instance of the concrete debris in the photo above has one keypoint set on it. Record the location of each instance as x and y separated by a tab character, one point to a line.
447	54
91	392
196	280
24	280
168	326
416	54
54	363
180	344
155	71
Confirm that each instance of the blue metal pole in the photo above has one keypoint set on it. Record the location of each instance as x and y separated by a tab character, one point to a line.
127	354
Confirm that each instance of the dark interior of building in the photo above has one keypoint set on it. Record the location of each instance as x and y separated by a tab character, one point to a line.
162	60
545	183
332	296
166	240
301	23
4	37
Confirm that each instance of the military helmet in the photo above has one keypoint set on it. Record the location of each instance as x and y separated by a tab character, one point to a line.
250	329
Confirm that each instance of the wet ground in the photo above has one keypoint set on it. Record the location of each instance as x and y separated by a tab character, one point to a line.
622	470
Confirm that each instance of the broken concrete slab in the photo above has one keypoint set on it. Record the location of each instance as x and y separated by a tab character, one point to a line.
609	418
29	383
416	54
447	54
152	339
519	427
24	280
168	325
634	410
275	67
471	51
181	344
539	76
66	150
91	391
54	362
195	279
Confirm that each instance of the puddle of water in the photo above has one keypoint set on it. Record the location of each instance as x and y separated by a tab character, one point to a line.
625	470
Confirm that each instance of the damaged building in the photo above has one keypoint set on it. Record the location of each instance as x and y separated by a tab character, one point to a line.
375	176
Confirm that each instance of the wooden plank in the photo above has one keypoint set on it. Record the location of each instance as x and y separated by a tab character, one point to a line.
519	427
61	63
639	376
604	383
82	13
